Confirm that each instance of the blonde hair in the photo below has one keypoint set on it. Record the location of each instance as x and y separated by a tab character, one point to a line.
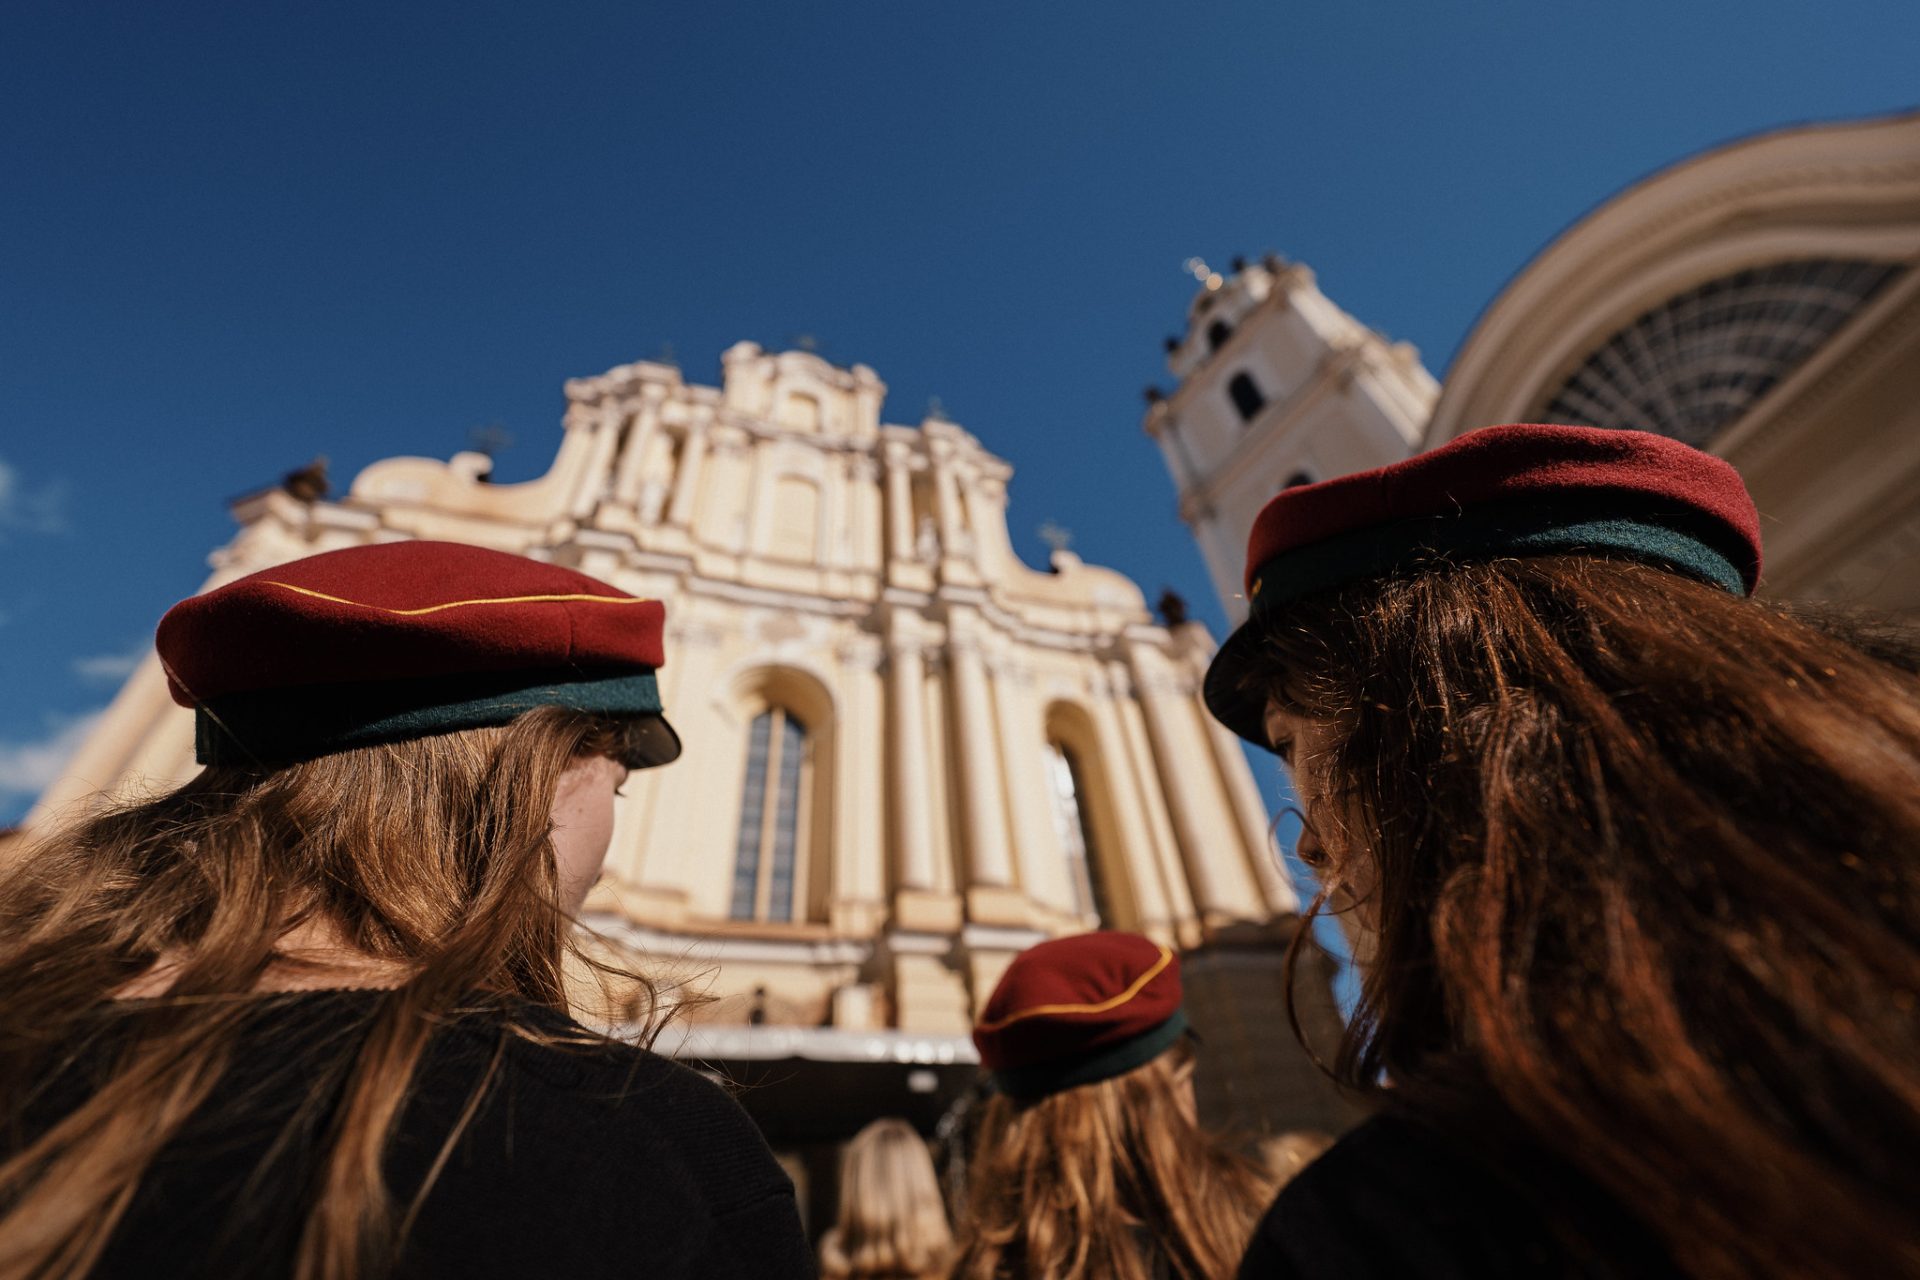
1288	1154
892	1223
1091	1182
431	857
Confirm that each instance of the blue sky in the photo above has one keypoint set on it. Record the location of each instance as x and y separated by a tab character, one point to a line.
236	236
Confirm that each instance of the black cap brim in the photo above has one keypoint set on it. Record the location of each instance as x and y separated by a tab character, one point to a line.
1231	702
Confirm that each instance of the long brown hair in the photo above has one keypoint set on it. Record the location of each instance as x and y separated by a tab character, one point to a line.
1641	863
1087	1183
432	856
892	1223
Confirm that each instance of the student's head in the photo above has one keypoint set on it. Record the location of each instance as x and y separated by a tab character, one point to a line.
892	1223
410	753
1089	1158
1629	851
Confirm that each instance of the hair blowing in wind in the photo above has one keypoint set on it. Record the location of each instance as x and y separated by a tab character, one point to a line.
431	857
1642	860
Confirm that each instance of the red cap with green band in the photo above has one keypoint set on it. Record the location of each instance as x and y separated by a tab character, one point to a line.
401	640
1078	1010
1517	490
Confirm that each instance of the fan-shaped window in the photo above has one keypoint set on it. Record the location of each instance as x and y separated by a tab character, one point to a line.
1070	822
1697	362
1217	334
1246	397
1297	479
771	847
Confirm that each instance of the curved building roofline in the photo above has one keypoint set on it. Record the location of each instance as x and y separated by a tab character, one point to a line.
1837	190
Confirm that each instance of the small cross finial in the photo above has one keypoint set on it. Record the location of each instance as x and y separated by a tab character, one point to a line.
936	410
807	342
668	355
1055	537
490	439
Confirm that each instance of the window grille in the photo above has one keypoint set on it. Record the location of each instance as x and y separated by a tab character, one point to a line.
1695	364
1070	822
770	851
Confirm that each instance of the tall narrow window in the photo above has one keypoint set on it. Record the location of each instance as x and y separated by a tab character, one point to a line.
770	851
1246	396
1070	821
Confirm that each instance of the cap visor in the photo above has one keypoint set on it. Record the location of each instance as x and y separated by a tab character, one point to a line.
656	744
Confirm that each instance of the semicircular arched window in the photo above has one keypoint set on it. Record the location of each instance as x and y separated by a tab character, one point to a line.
1066	786
770	851
1696	363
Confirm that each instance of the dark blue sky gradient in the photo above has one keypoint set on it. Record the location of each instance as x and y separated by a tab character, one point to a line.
236	236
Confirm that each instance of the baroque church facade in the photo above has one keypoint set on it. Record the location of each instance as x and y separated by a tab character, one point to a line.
908	755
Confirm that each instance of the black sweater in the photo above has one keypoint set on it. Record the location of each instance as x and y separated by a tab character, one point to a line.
1394	1200
587	1162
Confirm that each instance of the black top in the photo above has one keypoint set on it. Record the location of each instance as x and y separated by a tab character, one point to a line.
1395	1200
582	1162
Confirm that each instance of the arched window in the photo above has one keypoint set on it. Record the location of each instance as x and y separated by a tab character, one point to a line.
1246	396
1217	334
1070	821
770	853
1297	479
1696	363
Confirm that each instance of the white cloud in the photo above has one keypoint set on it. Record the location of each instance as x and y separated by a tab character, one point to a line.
30	767
41	509
109	668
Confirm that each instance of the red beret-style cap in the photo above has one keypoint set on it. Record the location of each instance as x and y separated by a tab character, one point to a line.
402	639
1517	490
1076	1010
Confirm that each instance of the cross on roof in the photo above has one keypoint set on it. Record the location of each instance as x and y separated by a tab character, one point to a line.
490	439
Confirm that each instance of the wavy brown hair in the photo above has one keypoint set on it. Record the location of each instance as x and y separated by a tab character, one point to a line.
1087	1183
431	857
1640	863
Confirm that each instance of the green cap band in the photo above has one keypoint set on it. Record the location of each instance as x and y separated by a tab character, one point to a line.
284	726
1044	1078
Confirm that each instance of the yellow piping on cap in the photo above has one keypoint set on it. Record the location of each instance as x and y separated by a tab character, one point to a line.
456	604
1040	1010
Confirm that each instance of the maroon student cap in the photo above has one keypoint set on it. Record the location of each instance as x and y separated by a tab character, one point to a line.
1519	490
1078	1010
402	640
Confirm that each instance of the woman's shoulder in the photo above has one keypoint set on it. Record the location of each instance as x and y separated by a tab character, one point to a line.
1396	1198
609	1140
624	1093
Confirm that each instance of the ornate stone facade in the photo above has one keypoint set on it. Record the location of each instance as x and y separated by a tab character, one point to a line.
908	755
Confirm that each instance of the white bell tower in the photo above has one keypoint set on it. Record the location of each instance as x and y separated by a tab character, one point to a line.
1277	386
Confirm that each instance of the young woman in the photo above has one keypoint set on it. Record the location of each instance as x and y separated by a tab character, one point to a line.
892	1223
1636	862
307	1015
1090	1163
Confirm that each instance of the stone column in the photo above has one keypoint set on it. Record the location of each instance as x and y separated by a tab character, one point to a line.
1182	805
946	502
1252	815
899	502
593	480
1043	869
912	818
988	862
686	484
626	484
859	872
